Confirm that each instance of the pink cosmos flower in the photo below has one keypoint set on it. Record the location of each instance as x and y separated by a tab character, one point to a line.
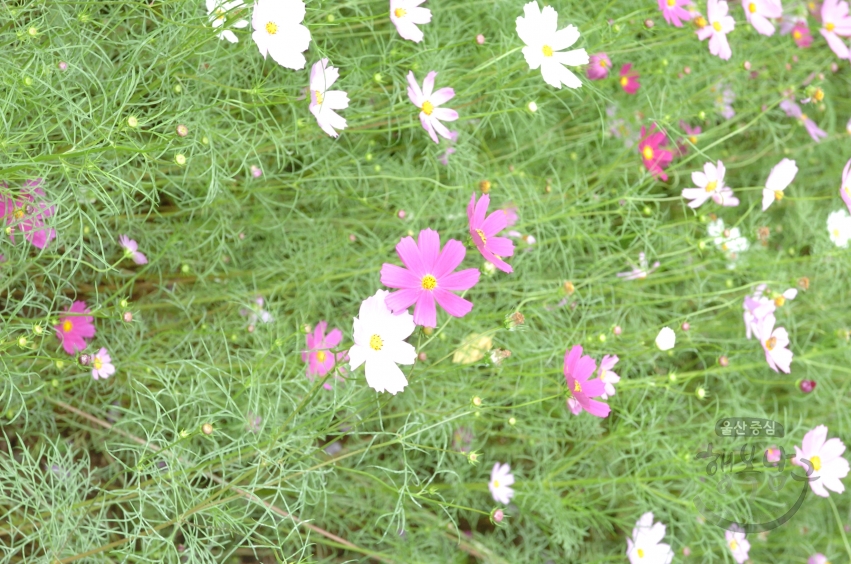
405	15
738	544
608	377
780	177
654	157
794	110
774	343
758	13
28	214
825	456
716	30
710	184
74	329
758	306
499	485
845	187
674	12
444	158
510	211
483	232
836	24
428	101
800	31
320	360
577	371
131	249
429	277
102	367
773	454
323	102
641	271
598	66
818	558
691	135
629	79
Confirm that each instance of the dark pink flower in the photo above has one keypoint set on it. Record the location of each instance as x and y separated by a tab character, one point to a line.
429	277
629	79
598	66
320	360
28	214
673	11
74	329
577	371
653	155
801	34
483	232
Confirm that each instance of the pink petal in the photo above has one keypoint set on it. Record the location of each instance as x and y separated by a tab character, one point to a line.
481	211
597	408
455	306
425	312
502	246
428	125
410	256
403	299
461	280
584	368
428	84
394	276
442	96
429	245
451	256
333	339
495	223
139	258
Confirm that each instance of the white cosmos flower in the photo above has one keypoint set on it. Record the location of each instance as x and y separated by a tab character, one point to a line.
501	481
220	11
544	45
278	31
839	227
323	102
646	546
406	14
780	177
666	339
380	343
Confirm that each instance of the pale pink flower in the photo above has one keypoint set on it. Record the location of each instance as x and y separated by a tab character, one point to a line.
845	187
323	102
646	546
836	24
775	343
608	377
773	454
674	11
716	30
131	249
780	177
710	184
758	13
826	460
429	277
102	367
406	14
483	232
818	558
427	100
577	371
27	214
794	110
643	270
500	484
738	544
511	217
598	66
758	306
73	330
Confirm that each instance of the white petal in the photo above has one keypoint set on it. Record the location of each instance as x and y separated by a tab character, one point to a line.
383	375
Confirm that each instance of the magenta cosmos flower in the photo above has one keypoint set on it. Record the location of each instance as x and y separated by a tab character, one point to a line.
794	110
483	232
28	213
674	12
758	13
74	328
323	101
131	249
320	360
405	15
428	101
629	79
653	155
845	187
716	30
825	456
775	343
429	277
577	371
102	367
836	24
598	66
801	34
710	184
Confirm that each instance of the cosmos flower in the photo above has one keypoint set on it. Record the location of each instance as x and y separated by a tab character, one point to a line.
73	329
646	546
836	24
598	66
379	337
794	110
774	343
724	101
731	241
629	79
666	339
577	371
691	135
825	456
839	227
738	544
278	31
710	184
818	558
323	102
444	158
608	377
320	360
429	278
500	483
779	179
716	29
257	312
674	12
483	231
28	213
406	14
219	12
131	249
845	187
544	45
510	211
773	454
102	367
427	100
653	155
758	13
643	270
799	29
759	305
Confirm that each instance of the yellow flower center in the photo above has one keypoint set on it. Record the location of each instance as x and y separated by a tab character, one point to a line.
319	97
816	463
752	7
717	26
779	301
603	63
818	95
576	386
427	108
700	22
400	12
848	189
836	233
375	343
778	194
647	152
220	14
98	363
796	34
67	325
320	355
429	282
804	117
19	213
624	81
641	550
271	28
771	343
671	2
496	483
830	26
693	139
733	545
481	235
710	186
548	51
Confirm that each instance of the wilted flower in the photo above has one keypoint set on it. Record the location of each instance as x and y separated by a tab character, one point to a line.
472	349
794	110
